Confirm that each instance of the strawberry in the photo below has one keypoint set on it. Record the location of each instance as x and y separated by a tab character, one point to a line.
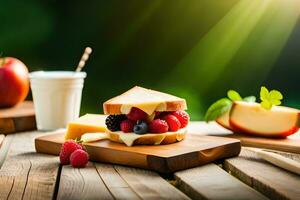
158	126
66	150
127	126
173	123
79	158
183	117
136	114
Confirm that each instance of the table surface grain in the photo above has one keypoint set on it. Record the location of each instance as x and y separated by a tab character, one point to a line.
25	174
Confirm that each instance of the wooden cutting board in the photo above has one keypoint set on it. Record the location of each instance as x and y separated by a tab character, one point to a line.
18	118
191	152
290	144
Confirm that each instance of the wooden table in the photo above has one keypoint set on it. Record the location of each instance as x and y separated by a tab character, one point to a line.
25	174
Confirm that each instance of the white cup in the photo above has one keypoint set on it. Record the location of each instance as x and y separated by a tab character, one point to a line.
56	96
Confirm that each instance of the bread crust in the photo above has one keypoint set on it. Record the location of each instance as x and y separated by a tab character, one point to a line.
151	139
171	103
113	109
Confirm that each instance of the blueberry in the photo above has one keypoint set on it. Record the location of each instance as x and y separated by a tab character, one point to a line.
140	128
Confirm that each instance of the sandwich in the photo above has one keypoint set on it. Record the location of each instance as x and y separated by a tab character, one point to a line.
146	117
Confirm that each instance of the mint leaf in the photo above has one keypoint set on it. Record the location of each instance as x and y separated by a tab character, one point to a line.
249	99
264	93
275	102
275	94
266	105
269	99
217	109
234	95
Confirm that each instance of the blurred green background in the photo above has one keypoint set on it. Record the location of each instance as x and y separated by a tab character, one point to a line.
197	49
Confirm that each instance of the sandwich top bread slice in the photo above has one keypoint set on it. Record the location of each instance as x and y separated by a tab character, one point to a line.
144	99
146	117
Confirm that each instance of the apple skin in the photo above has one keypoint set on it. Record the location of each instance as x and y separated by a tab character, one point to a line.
224	120
299	120
14	82
239	129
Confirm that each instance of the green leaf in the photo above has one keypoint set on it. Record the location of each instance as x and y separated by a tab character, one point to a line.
266	105
217	109
269	99
275	102
234	95
275	94
249	99
264	93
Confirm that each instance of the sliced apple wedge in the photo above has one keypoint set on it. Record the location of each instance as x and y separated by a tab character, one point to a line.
251	118
224	120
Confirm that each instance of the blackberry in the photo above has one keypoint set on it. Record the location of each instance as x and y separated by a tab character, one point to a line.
113	122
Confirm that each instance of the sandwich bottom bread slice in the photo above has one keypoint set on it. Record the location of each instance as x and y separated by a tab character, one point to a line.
144	117
147	139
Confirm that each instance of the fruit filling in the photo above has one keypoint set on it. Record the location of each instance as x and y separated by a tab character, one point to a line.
139	122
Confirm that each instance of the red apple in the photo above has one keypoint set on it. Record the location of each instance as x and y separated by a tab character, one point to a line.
252	119
14	83
223	120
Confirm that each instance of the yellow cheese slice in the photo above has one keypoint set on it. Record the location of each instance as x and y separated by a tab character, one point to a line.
93	137
129	138
148	108
88	123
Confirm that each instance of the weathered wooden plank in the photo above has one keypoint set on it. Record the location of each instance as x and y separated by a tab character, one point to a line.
292	156
26	174
4	146
211	128
118	187
212	182
1	139
270	180
82	183
148	184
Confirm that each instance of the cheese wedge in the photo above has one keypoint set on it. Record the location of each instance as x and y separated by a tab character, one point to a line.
144	99
89	123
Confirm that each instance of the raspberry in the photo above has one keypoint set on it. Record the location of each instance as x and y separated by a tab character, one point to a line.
136	114
127	126
157	114
173	123
66	150
79	158
183	117
158	126
163	114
